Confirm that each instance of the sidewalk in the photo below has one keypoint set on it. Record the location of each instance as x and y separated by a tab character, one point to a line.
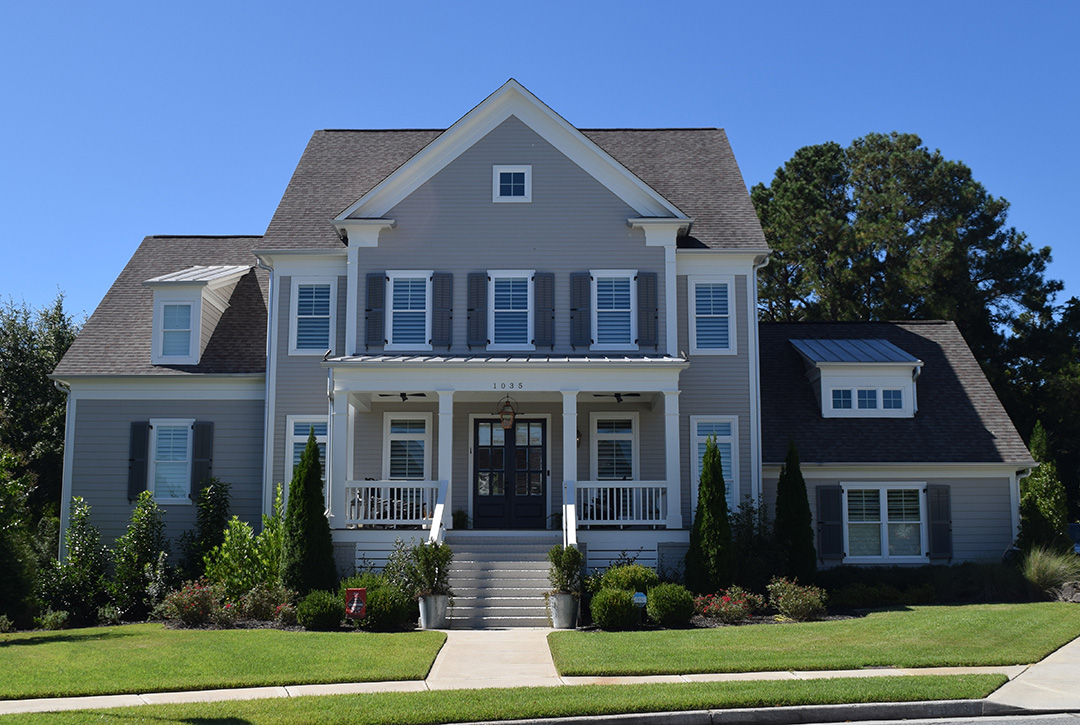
521	658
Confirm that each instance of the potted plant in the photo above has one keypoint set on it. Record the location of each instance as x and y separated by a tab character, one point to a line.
429	565
565	577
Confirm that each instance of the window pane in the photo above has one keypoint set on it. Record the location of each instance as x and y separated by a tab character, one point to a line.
302	429
312	333
175	342
864	540
614	459
867	399
719	429
903	504
613	293
484	431
171	462
313	299
892	399
511	328
613	327
905	540
407	460
313	317
407	425
410	293
712	333
864	505
410	328
176	317
841	399
710	299
511	183
614	426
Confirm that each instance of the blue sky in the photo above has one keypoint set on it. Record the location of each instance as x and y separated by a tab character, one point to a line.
122	119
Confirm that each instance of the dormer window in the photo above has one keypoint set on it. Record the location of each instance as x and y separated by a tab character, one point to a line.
187	307
861	378
176	320
511	183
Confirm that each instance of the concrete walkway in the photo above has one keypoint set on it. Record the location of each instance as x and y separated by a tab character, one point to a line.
521	658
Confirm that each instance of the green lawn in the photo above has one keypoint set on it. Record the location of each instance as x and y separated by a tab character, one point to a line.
992	634
150	658
448	706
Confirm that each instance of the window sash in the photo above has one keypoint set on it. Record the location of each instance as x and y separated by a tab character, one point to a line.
409	310
884	522
841	399
711	316
172	460
615	448
614	310
511	310
406	448
175	330
867	399
892	399
313	316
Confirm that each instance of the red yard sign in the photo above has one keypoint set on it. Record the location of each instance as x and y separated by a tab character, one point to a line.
355	603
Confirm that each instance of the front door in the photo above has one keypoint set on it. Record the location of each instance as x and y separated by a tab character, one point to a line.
510	475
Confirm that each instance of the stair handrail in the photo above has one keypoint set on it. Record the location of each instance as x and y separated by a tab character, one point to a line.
438	528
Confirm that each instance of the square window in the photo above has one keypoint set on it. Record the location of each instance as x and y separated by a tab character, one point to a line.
892	399
841	399
511	183
867	399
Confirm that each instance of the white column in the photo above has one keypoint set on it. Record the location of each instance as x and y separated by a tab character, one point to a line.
336	457
672	459
570	467
446	448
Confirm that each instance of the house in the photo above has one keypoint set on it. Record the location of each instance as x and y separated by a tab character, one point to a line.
524	329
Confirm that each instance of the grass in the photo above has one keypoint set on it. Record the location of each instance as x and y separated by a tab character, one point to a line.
1047	570
990	634
150	658
448	706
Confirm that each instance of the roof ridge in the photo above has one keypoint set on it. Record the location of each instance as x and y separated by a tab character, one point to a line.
204	236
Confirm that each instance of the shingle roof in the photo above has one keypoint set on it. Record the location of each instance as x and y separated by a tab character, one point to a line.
693	168
116	339
852	351
960	419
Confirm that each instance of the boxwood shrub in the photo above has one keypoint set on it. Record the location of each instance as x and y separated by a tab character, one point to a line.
614	609
670	605
321	611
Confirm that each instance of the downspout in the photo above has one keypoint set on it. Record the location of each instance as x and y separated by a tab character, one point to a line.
328	513
755	387
268	424
65	479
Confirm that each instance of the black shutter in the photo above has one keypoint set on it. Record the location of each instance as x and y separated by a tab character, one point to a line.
544	316
648	335
477	322
375	312
830	522
137	462
580	309
442	293
940	520
202	455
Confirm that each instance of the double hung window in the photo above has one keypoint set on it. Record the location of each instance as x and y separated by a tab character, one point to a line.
614	310
712	329
170	459
176	331
511	303
407	447
615	447
312	328
884	522
409	318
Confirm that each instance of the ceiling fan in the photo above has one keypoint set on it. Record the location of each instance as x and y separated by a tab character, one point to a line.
618	396
404	396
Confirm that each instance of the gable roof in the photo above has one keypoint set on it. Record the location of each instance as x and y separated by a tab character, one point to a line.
959	418
116	339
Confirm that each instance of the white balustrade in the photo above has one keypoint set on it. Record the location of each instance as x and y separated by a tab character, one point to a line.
621	503
390	503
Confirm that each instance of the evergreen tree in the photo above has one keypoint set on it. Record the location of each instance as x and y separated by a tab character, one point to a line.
17	562
710	558
794	527
308	557
1043	513
139	556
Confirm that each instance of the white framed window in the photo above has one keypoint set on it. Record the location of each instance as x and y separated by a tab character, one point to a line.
297	429
885	522
841	399
867	399
407	446
614	305
408	310
511	183
170	459
510	299
614	446
712	326
725	429
177	326
892	399
312	316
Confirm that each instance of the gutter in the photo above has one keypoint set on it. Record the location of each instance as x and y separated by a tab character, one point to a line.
268	385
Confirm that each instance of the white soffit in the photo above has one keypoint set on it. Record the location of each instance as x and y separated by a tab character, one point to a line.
511	99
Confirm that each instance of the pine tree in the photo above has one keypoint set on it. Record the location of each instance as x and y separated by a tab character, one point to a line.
794	528
308	557
710	558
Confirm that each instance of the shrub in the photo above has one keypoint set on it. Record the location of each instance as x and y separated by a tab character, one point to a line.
731	605
211	517
614	609
263	601
137	558
285	615
53	619
794	601
78	584
307	561
109	614
564	574
17	560
757	556
6	625
710	559
635	577
670	605
234	564
389	607
270	543
321	611
1043	511
194	604
430	569
1047	569
793	527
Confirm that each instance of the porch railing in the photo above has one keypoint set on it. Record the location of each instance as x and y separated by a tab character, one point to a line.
390	503
621	503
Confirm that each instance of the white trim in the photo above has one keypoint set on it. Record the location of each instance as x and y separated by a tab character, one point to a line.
754	357
631	276
883	522
829	387
291	438
497	170
168	387
691	314
905	470
388	310
331	282
194	302
530	277
426	437
66	480
269	488
313	262
634	436
733	486
151	456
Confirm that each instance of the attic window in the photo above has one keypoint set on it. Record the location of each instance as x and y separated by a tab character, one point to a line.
861	378
511	183
176	331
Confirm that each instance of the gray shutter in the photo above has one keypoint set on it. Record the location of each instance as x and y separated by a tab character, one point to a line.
646	311
544	316
940	521
830	522
477	322
581	309
442	292
375	311
137	458
202	455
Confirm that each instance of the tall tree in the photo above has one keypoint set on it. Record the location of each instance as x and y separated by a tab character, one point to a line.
710	558
31	408
794	526
308	556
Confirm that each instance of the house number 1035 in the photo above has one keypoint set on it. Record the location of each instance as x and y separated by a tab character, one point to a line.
507	386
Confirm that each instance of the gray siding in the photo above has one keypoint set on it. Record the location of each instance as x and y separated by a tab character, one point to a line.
101	454
210	317
981	511
716	385
450	224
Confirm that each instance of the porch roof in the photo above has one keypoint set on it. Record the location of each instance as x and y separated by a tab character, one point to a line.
527	359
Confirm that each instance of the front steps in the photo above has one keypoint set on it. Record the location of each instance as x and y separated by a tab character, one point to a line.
499	578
